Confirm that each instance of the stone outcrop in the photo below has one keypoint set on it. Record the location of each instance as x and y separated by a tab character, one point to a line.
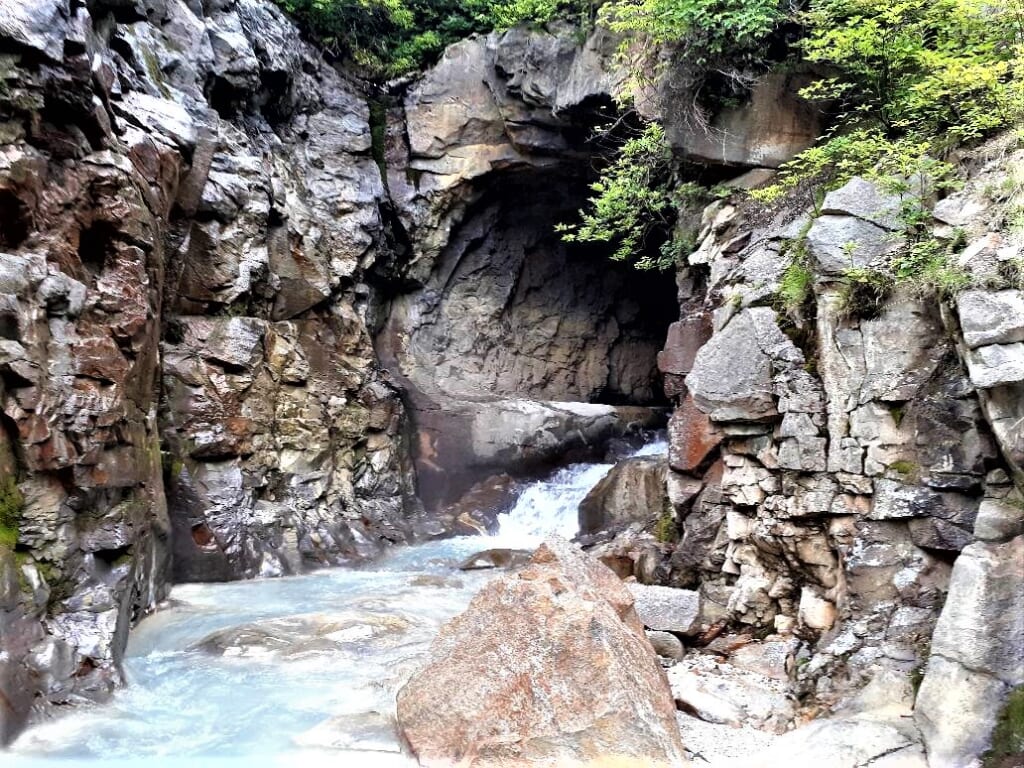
189	209
633	491
563	673
825	471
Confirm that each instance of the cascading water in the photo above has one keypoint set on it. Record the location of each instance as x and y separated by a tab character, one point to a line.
292	671
550	506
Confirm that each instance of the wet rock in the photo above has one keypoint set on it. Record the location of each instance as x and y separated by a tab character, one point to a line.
478	510
633	491
526	640
298	636
457	448
496	558
366	732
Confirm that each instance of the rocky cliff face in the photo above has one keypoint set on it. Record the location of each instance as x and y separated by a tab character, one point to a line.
855	480
190	207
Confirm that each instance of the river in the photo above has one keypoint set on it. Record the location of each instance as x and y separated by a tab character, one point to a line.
296	671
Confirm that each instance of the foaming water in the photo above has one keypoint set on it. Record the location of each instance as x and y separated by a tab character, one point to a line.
550	506
306	668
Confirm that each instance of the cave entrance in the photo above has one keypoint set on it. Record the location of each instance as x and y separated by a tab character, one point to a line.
511	311
511	325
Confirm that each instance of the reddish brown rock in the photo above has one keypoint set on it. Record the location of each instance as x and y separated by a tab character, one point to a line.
692	437
563	675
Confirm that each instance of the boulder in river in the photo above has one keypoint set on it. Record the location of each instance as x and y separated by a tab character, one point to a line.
496	558
563	675
634	490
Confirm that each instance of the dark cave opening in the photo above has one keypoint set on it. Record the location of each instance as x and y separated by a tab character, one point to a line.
512	311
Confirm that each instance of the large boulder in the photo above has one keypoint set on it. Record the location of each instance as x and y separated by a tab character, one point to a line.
563	675
634	490
977	653
732	375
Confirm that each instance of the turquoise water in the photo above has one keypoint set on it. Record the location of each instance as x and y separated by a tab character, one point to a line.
322	690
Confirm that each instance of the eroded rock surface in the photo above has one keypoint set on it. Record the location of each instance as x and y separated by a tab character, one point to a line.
189	207
562	671
824	478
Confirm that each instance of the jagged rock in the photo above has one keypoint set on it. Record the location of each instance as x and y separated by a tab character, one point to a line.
864	200
666	608
634	490
37	24
977	653
477	511
767	131
991	317
996	365
692	437
842	243
547	687
732	374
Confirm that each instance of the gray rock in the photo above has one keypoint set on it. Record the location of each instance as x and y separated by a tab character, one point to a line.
982	623
163	117
841	243
666	608
863	199
666	645
634	490
956	711
38	24
999	519
731	379
996	365
988	317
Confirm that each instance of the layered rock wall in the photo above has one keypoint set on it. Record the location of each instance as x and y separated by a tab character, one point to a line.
851	474
189	207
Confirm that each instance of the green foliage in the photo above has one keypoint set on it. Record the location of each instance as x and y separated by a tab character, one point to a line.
795	287
913	79
709	30
665	529
388	38
634	198
923	67
11	505
862	292
903	467
1008	736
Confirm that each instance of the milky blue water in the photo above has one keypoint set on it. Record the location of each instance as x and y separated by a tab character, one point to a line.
324	695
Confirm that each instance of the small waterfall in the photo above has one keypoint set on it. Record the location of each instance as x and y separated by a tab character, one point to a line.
549	507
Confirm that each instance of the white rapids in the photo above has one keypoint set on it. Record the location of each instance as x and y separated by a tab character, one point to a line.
365	629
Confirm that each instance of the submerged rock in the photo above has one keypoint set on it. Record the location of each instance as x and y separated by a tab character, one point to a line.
294	636
563	675
496	558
